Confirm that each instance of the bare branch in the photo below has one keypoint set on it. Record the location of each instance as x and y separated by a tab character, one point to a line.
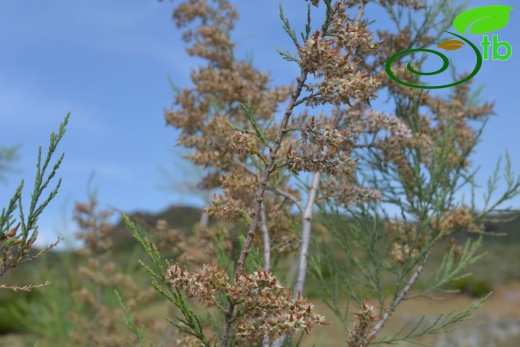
259	198
379	325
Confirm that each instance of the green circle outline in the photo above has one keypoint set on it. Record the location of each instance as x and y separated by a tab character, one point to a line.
442	69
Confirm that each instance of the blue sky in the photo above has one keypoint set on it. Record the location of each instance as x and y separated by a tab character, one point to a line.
108	62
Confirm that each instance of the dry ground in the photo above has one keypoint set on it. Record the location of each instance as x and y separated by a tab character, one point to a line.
505	303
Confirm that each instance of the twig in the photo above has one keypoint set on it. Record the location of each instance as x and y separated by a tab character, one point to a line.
259	199
361	9
265	235
276	189
399	298
306	235
306	230
26	288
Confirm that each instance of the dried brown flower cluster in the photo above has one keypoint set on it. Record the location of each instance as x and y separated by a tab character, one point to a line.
361	328
456	220
243	143
195	249
284	238
415	4
101	324
7	258
265	307
328	54
408	242
225	208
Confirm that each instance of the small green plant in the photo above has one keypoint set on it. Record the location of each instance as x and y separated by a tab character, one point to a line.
472	286
16	238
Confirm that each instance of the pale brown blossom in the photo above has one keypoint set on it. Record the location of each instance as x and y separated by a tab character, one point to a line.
266	306
358	335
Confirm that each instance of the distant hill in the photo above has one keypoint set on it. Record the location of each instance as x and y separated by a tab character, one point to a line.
178	217
184	217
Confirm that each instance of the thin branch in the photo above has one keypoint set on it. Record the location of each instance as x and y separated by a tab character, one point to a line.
290	197
259	199
265	235
267	256
26	288
361	10
276	189
306	229
306	235
400	297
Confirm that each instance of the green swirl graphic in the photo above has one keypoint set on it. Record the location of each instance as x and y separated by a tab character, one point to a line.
443	68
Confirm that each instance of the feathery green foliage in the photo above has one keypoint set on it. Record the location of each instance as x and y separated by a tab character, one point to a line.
15	242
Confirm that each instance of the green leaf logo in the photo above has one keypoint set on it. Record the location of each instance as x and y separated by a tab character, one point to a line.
484	19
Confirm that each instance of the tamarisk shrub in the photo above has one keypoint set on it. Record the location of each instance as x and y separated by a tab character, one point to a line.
17	240
359	162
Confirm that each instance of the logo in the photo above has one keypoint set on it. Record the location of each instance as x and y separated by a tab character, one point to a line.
480	20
